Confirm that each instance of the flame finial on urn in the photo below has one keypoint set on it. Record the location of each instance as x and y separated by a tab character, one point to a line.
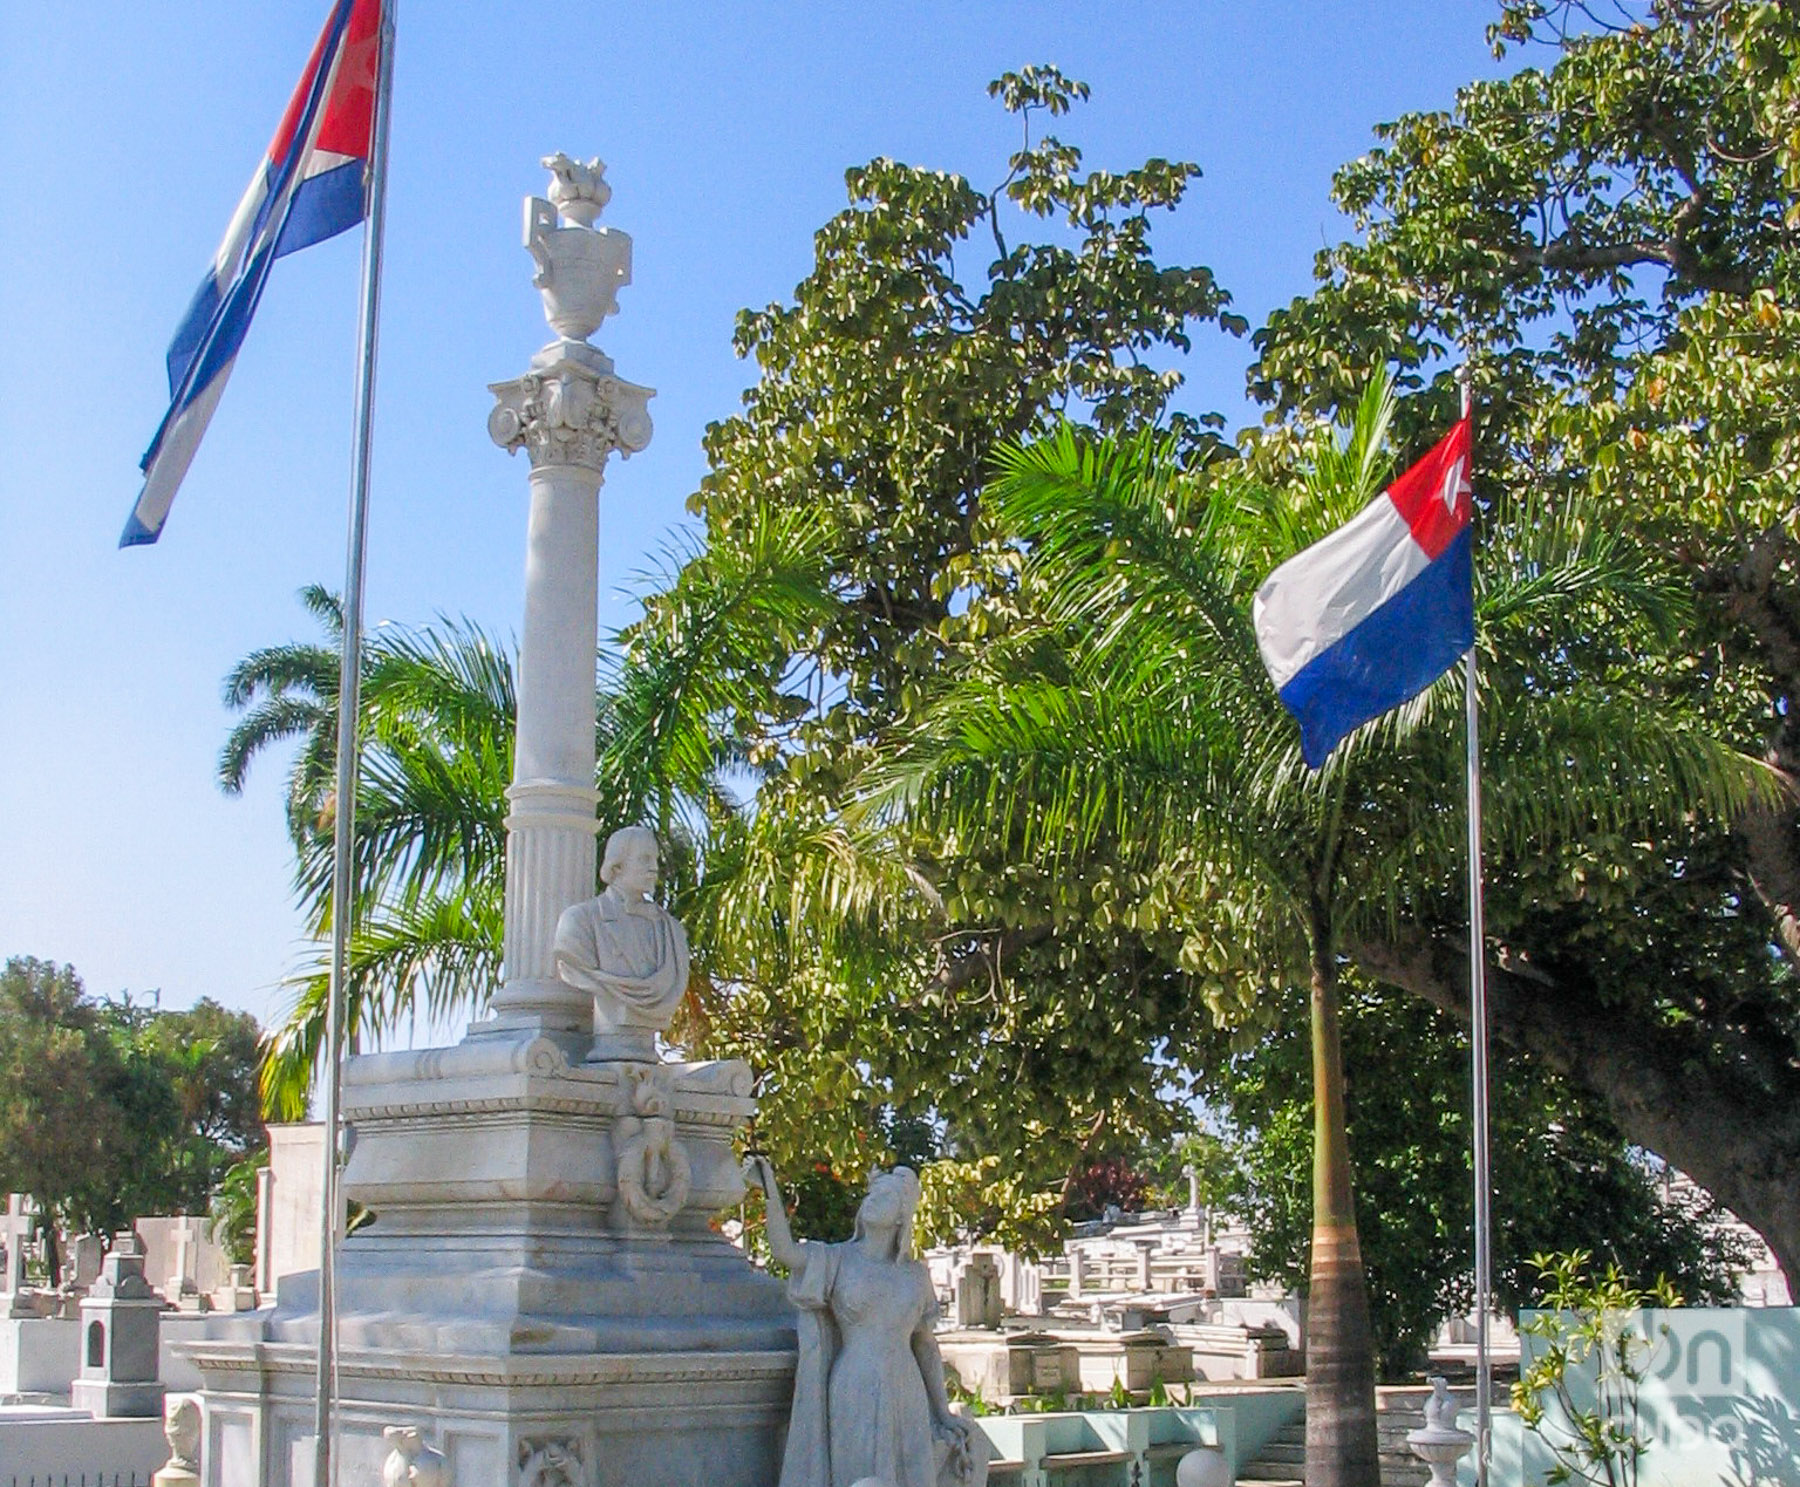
577	191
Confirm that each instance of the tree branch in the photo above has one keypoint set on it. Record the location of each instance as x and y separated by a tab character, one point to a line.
1747	589
986	958
1671	253
1654	1081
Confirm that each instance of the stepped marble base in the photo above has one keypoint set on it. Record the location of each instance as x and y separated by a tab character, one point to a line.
542	1292
600	1419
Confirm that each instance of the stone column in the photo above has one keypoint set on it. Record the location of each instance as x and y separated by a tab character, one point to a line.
569	412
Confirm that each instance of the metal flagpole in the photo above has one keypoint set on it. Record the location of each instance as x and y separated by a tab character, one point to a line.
1478	1046
349	705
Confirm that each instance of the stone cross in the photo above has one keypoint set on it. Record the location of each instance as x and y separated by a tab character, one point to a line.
15	1230
181	1281
978	1301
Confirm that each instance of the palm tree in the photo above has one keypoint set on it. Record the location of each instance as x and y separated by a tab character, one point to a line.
430	840
285	692
437	734
1136	713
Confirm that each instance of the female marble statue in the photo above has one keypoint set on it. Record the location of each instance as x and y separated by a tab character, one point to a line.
869	1384
630	952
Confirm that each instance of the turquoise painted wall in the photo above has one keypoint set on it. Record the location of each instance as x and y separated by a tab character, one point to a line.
1052	1447
1722	1404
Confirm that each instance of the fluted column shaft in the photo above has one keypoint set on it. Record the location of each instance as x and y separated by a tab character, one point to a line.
550	829
570	412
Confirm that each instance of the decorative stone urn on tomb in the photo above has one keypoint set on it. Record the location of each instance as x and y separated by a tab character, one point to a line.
1440	1444
543	1295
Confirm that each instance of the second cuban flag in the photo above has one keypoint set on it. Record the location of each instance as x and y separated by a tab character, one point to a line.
1372	615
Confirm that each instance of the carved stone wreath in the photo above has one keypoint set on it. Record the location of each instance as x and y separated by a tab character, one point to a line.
654	1173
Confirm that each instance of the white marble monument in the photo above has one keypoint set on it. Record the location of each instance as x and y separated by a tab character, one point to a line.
870	1403
543	1298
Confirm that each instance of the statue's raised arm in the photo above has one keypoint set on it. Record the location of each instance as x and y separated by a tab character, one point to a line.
869	1396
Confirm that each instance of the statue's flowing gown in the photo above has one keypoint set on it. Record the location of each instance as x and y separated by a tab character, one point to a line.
860	1408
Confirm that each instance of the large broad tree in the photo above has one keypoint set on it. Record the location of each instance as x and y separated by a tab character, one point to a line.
942	316
112	1110
1564	1178
204	1063
1134	709
75	1125
1612	234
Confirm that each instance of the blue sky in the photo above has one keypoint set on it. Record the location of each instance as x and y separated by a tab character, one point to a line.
127	133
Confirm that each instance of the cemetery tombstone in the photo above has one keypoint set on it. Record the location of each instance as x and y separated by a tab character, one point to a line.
182	1260
978	1301
120	1323
86	1253
15	1230
1022	1286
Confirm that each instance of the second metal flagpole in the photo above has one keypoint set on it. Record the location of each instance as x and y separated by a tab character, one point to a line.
343	875
1478	1049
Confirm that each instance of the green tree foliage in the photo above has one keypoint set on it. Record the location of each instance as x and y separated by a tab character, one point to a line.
72	1117
886	385
109	1110
231	1219
1591	1334
940	319
1611	234
1134	709
289	692
1563	1178
429	849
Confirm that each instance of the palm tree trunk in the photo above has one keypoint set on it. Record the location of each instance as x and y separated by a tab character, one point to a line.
1341	1446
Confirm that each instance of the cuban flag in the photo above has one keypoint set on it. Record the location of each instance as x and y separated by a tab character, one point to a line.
310	186
1375	613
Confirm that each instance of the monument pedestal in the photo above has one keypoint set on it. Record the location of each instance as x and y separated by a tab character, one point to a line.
542	1289
543	1295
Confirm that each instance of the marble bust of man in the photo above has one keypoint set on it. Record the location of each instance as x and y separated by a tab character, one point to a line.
628	951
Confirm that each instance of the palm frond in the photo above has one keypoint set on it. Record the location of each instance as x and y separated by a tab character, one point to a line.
441	952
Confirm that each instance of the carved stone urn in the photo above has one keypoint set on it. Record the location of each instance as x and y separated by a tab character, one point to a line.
580	268
1440	1444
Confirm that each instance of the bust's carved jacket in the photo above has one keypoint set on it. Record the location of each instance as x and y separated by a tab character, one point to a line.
633	957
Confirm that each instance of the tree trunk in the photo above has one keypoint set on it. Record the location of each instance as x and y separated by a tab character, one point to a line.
1733	1126
1341	1444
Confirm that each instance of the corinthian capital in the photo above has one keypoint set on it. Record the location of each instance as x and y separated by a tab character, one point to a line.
569	413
